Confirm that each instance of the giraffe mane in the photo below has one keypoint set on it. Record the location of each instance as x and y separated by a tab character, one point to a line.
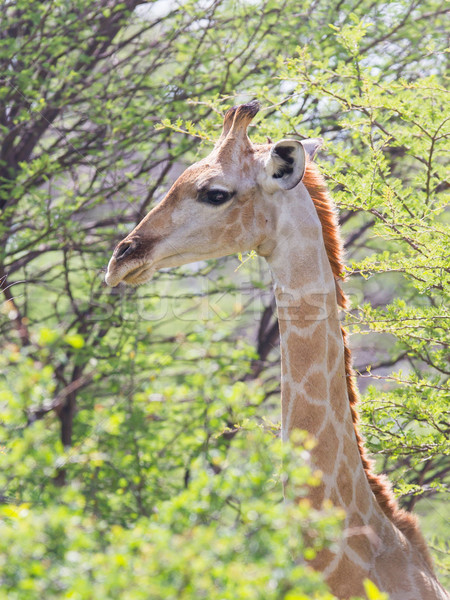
406	522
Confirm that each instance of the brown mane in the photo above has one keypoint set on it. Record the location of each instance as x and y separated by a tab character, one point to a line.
403	520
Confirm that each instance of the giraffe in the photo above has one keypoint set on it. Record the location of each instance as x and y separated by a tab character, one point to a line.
271	198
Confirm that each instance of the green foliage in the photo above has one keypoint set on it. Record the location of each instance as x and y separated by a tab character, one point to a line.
389	165
190	546
138	456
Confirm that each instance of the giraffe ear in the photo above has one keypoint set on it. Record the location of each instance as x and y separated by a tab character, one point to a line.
286	163
287	159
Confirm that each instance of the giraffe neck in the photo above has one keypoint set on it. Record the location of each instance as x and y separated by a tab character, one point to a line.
315	399
313	377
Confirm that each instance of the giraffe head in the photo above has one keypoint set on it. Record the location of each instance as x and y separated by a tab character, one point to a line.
226	203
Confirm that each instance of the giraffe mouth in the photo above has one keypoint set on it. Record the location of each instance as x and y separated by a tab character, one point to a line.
139	275
143	273
134	276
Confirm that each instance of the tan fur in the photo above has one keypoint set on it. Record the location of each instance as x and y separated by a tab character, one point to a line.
284	221
406	522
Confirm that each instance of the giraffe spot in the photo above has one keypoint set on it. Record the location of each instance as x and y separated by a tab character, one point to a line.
316	386
229	234
322	559
305	312
245	166
308	416
234	215
392	563
314	310
424	587
351	450
346	580
319	341
362	497
358	537
260	221
338	385
247	216
307	350
324	454
350	443
345	483
316	495
304	354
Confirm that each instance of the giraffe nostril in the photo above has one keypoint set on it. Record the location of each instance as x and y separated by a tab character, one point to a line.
124	250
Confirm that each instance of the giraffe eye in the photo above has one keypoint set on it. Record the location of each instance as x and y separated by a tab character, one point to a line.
217	197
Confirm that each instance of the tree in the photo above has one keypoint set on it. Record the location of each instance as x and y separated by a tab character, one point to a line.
145	418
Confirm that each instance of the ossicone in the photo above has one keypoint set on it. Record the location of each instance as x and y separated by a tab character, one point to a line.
238	118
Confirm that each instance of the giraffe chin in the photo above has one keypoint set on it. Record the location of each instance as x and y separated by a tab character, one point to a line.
133	278
140	276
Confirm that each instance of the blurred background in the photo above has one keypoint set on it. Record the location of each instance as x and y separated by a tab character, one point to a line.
139	427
